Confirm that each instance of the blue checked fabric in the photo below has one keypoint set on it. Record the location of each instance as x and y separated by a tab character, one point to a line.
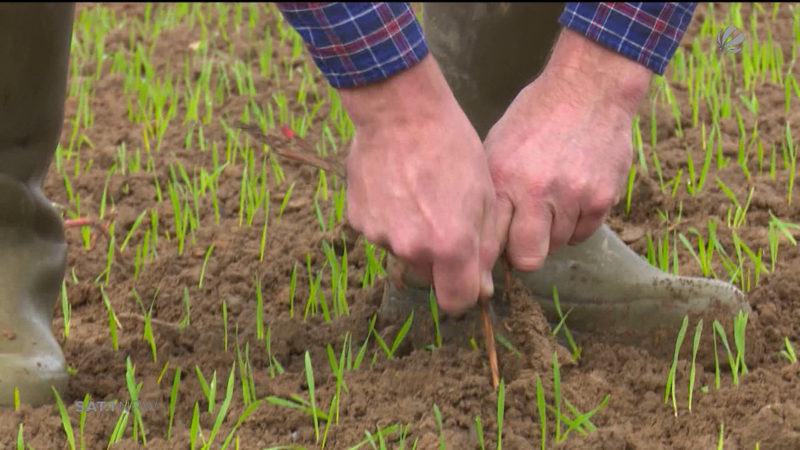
648	33
360	43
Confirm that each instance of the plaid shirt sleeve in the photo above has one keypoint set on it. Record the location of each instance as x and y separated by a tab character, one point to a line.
648	33
358	43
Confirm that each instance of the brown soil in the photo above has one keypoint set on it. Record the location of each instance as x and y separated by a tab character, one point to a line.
403	390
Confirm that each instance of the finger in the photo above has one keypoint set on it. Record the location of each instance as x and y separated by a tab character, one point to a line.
586	227
456	280
529	237
562	229
503	211
489	249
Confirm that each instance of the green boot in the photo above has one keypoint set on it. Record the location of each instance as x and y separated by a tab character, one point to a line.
608	287
488	52
34	54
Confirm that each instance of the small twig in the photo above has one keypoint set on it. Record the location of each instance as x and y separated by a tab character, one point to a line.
310	157
304	155
491	348
102	227
143	319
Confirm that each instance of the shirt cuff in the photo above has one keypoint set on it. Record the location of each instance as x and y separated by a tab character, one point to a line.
648	33
354	44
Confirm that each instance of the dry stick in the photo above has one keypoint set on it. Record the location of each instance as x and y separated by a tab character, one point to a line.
309	157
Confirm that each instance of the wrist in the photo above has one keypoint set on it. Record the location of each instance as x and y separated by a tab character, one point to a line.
415	94
592	71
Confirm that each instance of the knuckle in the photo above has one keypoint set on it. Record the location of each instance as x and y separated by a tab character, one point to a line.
455	246
371	234
601	202
406	247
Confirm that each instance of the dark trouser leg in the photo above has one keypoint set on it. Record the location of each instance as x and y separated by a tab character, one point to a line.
489	51
34	55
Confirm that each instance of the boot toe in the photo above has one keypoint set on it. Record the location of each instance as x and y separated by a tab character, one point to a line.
33	377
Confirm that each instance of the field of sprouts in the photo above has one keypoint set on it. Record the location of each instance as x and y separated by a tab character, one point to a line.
230	301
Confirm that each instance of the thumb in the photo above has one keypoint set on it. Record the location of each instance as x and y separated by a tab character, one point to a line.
529	237
489	249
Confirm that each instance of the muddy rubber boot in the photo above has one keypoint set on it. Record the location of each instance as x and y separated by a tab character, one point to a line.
488	52
609	287
34	54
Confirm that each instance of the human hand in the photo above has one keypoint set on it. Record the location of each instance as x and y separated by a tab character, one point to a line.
560	154
419	183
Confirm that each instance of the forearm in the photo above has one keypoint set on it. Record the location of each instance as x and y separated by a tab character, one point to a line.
415	94
607	49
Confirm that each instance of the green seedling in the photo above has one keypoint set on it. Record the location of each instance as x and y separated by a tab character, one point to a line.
792	151
259	309
435	315
186	319
209	390
20	438
250	409
788	352
576	351
479	431
638	143
205	263
173	399
113	322
735	360
66	309
557	391
438	415
507	344
380	436
540	405
397	340
580	423
312	397
629	190
264	228
65	422
147	334
223	410
670	389
292	287
695	345
133	391
297	403
501	398
338	369
657	166
133	229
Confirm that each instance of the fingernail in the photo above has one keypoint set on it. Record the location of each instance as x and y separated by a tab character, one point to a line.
487	285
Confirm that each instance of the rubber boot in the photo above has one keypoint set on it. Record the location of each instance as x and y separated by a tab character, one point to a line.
34	54
488	53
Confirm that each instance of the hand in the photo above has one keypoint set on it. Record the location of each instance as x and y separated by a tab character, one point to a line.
561	153
419	183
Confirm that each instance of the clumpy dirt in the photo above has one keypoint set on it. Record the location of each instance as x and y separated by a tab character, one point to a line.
403	390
